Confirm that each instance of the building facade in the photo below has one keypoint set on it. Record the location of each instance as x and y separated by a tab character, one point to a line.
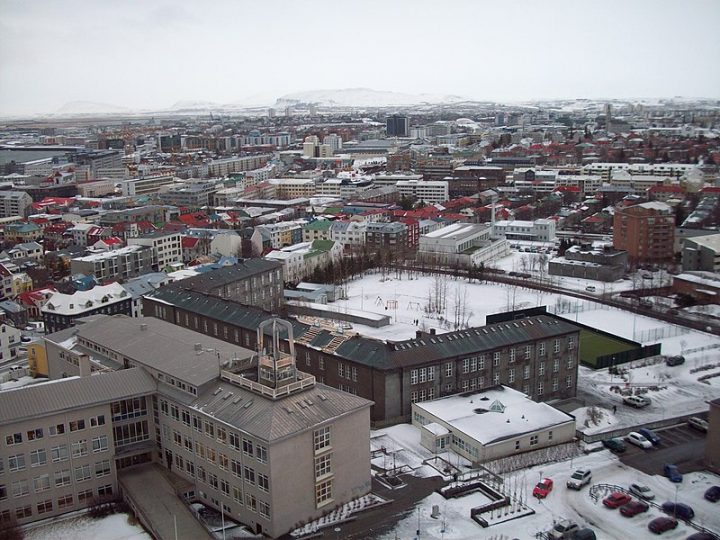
646	231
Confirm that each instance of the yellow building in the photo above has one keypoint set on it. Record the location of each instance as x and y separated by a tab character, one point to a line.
37	358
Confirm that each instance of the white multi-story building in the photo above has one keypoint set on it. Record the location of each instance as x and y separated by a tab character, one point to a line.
145	185
463	244
14	203
607	170
334	141
293	188
300	260
9	342
540	230
348	233
428	191
167	246
223	167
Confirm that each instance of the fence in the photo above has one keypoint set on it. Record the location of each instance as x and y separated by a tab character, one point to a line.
623	357
14	373
659	333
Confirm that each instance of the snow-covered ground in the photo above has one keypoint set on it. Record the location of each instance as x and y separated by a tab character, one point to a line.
113	527
455	522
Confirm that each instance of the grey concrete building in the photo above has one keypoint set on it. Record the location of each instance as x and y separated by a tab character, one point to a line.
14	203
701	253
122	263
248	434
588	262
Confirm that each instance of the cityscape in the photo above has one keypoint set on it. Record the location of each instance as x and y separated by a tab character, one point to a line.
351	299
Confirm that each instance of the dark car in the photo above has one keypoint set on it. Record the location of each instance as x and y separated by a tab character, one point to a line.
616	499
661	524
675	360
702	536
650	435
680	510
633	508
584	534
672	472
713	494
614	445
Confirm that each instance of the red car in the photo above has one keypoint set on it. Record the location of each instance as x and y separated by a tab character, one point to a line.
543	488
633	508
661	524
616	499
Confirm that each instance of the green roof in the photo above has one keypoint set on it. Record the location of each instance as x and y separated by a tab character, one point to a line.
318	225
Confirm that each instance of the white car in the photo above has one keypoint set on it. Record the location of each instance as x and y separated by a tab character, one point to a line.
638	440
642	491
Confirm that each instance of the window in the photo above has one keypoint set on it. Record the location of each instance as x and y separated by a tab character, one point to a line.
541	368
466	365
3	494
65	501
321	363
323	465
496	359
448	369
263	482
526	372
105	491
556	365
496	378
100	444
58	429
20	488
96	421
41	483
23	512
249	475
541	349
209	429
77	425
323	492
45	507
213	480
221	435
15	438
533	440
570	362
414	376
264	509
354	374
517	445
234	441
511	376
473	363
251	502
38	457
85	495
79	448
186	418
225	486
261	454
102	468
555	384
512	355
569	381
247	447
82	473
16	462
541	388
571	342
321	438
341	370
431	373
550	435
481	362
35	434
62	478
423	375
237	495
556	346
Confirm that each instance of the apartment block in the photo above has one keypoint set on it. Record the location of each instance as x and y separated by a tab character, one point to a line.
646	231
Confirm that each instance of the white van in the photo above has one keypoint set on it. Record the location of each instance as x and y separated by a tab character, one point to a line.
590	288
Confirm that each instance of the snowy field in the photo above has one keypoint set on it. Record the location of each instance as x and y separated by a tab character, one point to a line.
455	522
114	527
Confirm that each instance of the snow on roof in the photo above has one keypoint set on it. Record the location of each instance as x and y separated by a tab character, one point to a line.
655	205
710	279
494	415
81	301
95	257
711	241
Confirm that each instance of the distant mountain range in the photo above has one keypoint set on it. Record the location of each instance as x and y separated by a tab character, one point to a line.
362	97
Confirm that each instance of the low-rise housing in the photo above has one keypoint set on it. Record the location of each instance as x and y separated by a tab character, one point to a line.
461	244
603	263
540	230
62	310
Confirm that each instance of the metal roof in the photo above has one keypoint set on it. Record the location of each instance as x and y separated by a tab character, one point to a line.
219	278
67	394
273	420
179	352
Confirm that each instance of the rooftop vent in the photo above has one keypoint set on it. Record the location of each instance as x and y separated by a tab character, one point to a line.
143	327
198	347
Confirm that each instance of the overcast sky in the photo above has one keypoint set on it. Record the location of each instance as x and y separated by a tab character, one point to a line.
153	53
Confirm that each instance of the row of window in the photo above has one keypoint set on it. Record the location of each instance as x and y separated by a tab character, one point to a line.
63	502
54	430
61	478
38	457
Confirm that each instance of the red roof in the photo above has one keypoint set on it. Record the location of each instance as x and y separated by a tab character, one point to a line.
670	188
112	241
570	189
189	242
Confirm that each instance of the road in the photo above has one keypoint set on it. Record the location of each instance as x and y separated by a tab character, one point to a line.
681	445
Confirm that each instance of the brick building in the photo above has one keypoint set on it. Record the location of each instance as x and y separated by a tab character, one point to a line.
646	231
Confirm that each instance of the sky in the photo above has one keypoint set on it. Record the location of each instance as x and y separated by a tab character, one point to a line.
150	54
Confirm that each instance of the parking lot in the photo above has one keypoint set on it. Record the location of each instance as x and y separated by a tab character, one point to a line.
680	445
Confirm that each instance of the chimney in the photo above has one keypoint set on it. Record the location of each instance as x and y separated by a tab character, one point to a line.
432	331
143	327
84	365
418	334
198	347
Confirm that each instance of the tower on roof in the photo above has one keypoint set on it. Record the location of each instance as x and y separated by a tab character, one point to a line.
276	368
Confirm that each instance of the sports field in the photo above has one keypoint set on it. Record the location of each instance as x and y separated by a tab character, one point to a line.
593	345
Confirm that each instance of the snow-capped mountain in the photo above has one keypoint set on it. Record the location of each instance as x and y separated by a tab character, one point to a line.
362	97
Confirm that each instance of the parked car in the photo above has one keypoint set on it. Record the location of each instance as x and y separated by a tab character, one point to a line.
702	536
672	472
616	499
615	445
563	529
698	423
636	401
676	360
590	288
642	491
638	440
543	488
661	524
579	478
650	435
678	510
633	508
584	534
713	494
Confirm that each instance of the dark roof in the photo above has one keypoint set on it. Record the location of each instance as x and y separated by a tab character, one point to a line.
219	278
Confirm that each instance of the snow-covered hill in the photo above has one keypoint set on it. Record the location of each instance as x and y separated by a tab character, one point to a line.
90	107
362	97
